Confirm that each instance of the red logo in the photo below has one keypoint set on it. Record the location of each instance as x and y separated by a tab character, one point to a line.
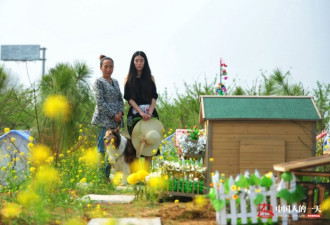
313	216
265	211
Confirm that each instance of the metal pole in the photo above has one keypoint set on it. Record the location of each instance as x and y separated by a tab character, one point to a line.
43	60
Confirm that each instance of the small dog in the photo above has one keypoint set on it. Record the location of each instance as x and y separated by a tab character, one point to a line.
120	152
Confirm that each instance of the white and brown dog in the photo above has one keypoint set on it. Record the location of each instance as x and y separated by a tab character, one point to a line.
120	152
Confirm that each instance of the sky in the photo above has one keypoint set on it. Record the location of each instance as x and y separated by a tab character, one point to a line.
184	40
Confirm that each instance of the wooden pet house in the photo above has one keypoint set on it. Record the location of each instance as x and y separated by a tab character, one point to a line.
255	132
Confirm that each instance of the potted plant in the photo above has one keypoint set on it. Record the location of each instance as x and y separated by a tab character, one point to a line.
193	142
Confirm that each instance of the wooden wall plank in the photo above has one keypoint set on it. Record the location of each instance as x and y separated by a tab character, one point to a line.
225	145
262	128
262	148
257	154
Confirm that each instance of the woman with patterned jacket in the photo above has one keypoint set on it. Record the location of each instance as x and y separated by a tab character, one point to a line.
109	110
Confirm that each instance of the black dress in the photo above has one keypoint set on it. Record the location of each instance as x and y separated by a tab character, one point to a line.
132	116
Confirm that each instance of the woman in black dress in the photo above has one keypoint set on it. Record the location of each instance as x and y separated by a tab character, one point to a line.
140	91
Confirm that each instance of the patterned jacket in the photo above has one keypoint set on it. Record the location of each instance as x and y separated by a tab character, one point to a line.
109	101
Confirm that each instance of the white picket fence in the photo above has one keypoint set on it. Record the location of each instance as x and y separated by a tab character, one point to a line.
246	201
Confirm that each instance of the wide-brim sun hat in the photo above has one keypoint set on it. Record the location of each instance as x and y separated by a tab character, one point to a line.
147	136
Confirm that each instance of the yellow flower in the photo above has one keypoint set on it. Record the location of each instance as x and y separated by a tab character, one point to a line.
11	210
75	221
200	201
4	140
80	130
80	125
156	183
161	157
233	188
211	159
80	138
40	154
3	168
325	206
61	155
258	190
32	169
269	174
12	139
118	178
139	164
30	145
176	201
21	153
83	180
56	107
50	159
133	178
90	157
6	130
28	198
154	151
31	139
47	176
142	175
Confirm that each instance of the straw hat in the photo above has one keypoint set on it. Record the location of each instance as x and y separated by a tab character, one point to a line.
147	136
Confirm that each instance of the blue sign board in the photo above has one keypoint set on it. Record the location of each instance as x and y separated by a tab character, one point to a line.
20	52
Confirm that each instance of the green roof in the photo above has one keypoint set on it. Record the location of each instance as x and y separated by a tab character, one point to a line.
258	107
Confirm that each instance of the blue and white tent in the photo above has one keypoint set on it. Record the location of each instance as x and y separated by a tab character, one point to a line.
8	153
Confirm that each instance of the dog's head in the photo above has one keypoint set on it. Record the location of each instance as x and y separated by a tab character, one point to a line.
112	136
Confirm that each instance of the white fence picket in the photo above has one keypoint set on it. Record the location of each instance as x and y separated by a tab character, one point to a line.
294	206
233	213
273	199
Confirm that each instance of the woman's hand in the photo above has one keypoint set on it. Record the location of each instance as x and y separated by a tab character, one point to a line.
145	116
118	117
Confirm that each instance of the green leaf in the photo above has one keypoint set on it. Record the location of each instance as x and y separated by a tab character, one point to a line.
266	182
285	194
242	182
218	204
287	176
212	194
254	180
258	199
226	185
298	194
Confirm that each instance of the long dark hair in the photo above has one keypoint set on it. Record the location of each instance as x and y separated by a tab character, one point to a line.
145	76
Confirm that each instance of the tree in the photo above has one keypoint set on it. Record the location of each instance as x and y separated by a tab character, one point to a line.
71	82
16	111
184	108
322	101
3	77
